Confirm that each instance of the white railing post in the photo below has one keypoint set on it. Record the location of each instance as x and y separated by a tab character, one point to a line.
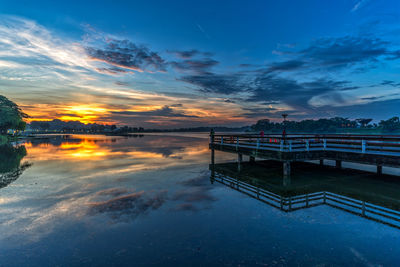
281	145
258	143
307	145
290	145
363	145
324	144
237	143
222	140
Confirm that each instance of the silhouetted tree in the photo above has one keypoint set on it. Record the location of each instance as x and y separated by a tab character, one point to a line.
391	124
364	122
11	116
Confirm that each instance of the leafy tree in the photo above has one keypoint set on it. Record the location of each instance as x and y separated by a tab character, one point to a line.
391	124
364	122
11	116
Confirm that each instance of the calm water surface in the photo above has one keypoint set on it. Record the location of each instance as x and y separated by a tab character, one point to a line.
135	201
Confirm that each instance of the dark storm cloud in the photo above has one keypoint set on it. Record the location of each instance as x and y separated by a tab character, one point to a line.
255	112
121	83
286	65
381	96
126	54
274	88
391	83
337	53
113	71
341	52
216	83
189	53
197	66
165	111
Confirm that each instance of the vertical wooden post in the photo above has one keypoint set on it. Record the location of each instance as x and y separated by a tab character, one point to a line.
212	156
363	208
286	173
338	164
324	144
363	146
379	169
240	159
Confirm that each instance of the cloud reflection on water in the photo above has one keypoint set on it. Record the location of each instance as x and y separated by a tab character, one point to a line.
128	177
127	206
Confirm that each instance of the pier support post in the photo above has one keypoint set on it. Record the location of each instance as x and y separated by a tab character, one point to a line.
379	169
252	159
286	170
321	162
338	164
212	156
240	159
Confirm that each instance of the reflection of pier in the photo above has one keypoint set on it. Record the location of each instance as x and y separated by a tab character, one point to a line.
373	205
365	149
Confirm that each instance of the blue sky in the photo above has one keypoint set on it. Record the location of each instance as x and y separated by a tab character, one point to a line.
185	63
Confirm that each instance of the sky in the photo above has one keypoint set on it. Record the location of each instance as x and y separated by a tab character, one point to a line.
172	64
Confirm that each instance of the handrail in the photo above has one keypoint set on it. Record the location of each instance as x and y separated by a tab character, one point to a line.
314	136
373	144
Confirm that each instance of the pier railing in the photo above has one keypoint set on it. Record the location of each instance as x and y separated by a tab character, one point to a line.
370	144
292	203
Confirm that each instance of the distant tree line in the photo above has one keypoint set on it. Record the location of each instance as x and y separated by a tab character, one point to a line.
57	125
331	125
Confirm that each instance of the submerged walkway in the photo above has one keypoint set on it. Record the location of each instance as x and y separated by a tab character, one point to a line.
379	150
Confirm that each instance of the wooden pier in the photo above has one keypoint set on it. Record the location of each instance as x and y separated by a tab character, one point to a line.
378	150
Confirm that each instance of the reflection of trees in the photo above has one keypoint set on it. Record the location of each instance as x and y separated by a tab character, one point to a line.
10	163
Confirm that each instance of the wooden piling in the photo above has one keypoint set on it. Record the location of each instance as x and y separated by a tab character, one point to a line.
338	164
240	159
286	169
379	169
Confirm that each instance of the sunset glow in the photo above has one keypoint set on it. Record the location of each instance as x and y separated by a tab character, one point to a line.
95	72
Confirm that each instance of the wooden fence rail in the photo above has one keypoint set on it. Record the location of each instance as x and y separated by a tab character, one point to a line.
370	144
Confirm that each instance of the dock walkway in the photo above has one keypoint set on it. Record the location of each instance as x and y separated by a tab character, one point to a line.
379	150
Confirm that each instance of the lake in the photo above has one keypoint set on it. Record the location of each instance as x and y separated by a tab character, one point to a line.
152	200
